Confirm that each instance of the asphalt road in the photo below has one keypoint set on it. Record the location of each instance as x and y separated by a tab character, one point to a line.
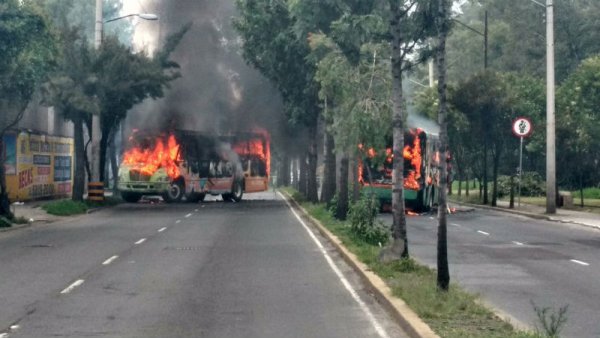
214	269
513	261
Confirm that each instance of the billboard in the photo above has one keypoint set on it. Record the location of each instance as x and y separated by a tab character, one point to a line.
9	143
42	167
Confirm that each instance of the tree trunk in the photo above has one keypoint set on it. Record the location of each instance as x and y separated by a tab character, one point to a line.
341	210
354	179
495	177
114	165
460	184
443	272
286	170
4	201
581	189
79	161
485	173
311	179
399	245
467	185
103	151
328	190
303	178
511	204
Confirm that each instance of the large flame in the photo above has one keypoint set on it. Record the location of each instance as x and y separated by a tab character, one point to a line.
412	153
259	147
147	160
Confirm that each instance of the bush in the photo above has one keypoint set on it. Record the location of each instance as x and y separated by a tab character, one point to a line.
364	223
4	222
532	185
65	208
589	193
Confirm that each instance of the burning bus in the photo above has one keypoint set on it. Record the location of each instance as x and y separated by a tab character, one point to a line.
190	165
421	173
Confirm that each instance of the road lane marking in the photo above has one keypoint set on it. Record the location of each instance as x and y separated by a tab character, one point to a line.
518	243
188	215
72	286
380	330
140	241
110	260
162	229
483	232
3	335
456	225
431	217
580	262
15	327
178	221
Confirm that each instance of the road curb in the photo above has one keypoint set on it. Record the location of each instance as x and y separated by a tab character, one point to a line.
405	316
527	214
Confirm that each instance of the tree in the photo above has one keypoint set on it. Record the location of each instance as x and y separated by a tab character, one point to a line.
124	79
70	89
273	46
443	26
26	55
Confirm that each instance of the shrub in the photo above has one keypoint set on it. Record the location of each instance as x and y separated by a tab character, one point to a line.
5	223
364	223
532	184
65	208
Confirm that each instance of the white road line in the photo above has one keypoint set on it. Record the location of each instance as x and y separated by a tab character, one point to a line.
518	243
431	217
380	330
162	229
580	262
188	215
178	221
3	335
483	232
456	225
110	260
15	327
72	286
140	241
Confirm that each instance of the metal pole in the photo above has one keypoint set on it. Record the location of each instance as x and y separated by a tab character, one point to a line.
95	162
550	106
520	172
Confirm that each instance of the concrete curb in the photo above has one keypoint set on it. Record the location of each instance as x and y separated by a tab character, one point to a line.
527	214
414	326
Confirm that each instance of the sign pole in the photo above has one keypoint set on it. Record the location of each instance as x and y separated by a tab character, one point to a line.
520	171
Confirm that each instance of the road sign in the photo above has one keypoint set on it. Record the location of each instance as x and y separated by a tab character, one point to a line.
522	127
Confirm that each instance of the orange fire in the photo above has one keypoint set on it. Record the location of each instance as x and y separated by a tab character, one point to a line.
259	147
413	154
147	160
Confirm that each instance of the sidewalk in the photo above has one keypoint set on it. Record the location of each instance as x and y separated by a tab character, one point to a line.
534	211
31	211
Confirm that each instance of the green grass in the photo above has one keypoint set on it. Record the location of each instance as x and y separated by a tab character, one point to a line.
451	314
67	207
5	223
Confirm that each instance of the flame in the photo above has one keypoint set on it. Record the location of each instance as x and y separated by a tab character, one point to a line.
148	160
411	213
259	147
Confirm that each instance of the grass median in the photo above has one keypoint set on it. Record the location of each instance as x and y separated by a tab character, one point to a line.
67	207
451	314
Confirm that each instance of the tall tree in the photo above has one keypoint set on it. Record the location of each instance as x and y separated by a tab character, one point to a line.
27	50
272	45
443	25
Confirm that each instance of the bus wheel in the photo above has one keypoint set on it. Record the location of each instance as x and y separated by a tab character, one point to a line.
237	191
130	197
175	192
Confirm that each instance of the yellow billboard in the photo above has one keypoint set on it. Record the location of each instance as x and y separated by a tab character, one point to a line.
38	166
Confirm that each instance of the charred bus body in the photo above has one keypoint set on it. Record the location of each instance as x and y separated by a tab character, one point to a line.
191	165
421	171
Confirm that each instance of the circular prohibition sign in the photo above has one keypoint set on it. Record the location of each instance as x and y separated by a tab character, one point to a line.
522	127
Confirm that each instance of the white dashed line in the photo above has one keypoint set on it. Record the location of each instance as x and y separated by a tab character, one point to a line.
430	217
580	262
3	335
483	232
140	241
14	327
518	243
162	229
380	330
110	260
456	225
188	215
178	221
72	286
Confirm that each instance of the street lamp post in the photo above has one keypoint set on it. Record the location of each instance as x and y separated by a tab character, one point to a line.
96	131
550	114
